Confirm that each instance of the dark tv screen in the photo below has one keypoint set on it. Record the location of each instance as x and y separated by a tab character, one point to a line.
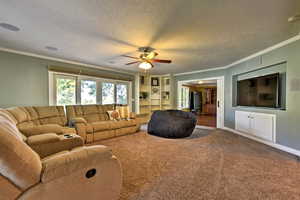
260	91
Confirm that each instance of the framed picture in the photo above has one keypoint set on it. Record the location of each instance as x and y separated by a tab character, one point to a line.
154	81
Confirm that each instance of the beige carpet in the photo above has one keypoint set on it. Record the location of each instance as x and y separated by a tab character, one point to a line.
218	165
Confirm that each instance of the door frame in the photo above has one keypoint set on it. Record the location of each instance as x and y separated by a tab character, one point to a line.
220	96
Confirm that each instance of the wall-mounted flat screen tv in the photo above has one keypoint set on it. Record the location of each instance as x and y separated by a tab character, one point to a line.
260	91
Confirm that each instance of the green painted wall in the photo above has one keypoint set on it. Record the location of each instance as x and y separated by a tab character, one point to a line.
24	79
288	126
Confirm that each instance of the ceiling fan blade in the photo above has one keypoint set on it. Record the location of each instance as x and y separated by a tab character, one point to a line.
161	61
132	63
130	57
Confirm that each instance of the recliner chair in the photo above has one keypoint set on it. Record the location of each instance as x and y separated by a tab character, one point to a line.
81	173
42	128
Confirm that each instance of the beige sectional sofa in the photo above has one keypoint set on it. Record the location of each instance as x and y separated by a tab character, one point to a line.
44	128
92	122
78	173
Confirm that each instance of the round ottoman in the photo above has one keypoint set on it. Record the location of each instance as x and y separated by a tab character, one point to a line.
172	123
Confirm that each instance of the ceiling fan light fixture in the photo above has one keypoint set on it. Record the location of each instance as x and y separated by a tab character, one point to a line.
145	65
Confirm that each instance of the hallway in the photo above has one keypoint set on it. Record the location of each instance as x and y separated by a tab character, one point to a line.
207	120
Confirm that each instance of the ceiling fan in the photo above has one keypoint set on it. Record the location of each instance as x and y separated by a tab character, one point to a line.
146	59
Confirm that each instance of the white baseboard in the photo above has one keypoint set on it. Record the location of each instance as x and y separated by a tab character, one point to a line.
205	127
277	146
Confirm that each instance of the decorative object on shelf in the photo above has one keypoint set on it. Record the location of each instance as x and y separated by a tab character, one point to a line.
155	90
142	80
154	81
167	81
143	95
166	95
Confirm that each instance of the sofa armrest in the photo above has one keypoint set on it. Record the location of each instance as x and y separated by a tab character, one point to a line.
41	129
132	115
42	139
79	158
77	120
81	126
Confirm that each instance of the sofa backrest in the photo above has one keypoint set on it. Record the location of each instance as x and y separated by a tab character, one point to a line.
91	113
38	115
20	165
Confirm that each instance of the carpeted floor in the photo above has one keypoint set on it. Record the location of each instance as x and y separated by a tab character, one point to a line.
211	164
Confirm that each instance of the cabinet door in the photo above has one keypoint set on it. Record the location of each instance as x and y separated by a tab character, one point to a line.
262	126
242	121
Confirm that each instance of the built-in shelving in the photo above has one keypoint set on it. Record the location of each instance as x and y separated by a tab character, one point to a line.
154	93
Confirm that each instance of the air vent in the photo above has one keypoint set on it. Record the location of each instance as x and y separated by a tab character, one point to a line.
9	27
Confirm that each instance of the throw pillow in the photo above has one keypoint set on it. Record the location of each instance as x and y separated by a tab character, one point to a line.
113	115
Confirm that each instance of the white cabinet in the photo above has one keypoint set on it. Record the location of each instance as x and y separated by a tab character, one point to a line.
257	124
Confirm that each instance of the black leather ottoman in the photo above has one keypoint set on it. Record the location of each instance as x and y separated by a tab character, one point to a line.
172	124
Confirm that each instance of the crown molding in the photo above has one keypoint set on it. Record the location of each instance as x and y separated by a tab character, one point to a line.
279	45
200	71
63	60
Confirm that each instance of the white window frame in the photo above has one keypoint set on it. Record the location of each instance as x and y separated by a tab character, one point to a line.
52	87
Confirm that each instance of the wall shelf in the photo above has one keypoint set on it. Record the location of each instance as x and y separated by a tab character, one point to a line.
151	98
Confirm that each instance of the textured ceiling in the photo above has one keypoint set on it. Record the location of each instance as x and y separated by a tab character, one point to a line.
195	34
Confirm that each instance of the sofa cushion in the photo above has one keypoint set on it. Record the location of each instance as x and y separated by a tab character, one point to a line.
68	130
90	118
41	129
108	125
51	115
42	139
19	114
91	113
19	163
102	125
12	128
64	143
90	109
4	113
126	123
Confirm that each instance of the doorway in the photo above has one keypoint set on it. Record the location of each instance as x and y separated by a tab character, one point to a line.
203	97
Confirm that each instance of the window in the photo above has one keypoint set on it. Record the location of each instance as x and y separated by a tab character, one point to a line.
65	90
185	97
83	90
121	94
108	93
88	92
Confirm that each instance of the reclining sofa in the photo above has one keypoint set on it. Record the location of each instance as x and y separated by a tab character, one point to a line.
44	128
92	122
79	173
